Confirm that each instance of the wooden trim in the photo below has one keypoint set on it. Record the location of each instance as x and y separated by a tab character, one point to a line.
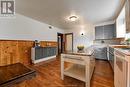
16	40
26	40
62	42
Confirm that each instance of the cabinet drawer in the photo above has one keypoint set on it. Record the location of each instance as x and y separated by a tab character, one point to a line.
73	57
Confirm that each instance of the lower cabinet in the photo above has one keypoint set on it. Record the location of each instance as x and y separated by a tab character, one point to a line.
110	55
42	53
100	52
121	70
38	53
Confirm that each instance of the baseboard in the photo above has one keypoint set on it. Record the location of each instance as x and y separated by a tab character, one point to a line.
44	59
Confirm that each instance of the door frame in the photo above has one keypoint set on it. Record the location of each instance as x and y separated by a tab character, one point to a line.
61	42
66	40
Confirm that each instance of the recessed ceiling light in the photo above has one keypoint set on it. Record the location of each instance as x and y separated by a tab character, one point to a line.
73	18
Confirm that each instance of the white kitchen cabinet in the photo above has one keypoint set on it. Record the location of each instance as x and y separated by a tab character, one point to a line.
121	69
121	24
127	9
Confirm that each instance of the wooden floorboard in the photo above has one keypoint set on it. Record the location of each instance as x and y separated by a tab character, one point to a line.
48	75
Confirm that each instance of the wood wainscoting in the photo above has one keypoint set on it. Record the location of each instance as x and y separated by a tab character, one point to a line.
48	43
14	51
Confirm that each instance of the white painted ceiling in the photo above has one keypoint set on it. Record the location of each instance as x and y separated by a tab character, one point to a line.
56	12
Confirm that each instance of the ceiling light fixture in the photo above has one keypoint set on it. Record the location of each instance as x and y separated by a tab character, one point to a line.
73	18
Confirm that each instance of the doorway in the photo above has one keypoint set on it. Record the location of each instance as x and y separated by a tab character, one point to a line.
69	42
60	43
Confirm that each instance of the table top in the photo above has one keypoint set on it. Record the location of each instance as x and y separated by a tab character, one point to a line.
13	71
84	53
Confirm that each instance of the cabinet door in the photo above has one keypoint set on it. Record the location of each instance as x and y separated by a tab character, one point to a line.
127	15
38	53
115	30
99	32
120	70
109	31
53	51
100	53
45	52
48	52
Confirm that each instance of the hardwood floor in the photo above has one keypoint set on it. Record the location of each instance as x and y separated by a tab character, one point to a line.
48	75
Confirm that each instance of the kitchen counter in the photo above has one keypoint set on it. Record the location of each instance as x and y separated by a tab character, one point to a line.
125	51
88	52
119	46
82	67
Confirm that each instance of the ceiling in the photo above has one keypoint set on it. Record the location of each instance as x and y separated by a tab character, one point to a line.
56	12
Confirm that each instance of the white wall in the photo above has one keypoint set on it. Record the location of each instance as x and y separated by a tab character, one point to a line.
24	28
86	39
69	42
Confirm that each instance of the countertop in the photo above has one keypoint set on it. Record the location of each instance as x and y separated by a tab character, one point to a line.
124	51
119	46
88	52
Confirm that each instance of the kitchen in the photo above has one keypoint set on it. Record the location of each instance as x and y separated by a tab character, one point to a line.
64	43
114	46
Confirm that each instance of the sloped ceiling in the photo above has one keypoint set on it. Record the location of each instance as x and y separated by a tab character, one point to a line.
56	12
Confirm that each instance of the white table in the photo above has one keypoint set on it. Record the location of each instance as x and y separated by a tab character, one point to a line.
82	68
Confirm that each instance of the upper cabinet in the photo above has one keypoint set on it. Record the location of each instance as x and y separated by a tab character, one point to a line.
127	15
109	31
99	32
105	32
121	24
123	20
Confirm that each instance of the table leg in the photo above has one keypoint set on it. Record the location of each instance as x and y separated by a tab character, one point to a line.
62	69
87	70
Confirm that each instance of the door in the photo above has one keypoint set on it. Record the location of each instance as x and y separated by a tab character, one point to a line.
60	42
69	41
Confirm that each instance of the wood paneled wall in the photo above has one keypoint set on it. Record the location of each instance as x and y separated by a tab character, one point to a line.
13	51
48	43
